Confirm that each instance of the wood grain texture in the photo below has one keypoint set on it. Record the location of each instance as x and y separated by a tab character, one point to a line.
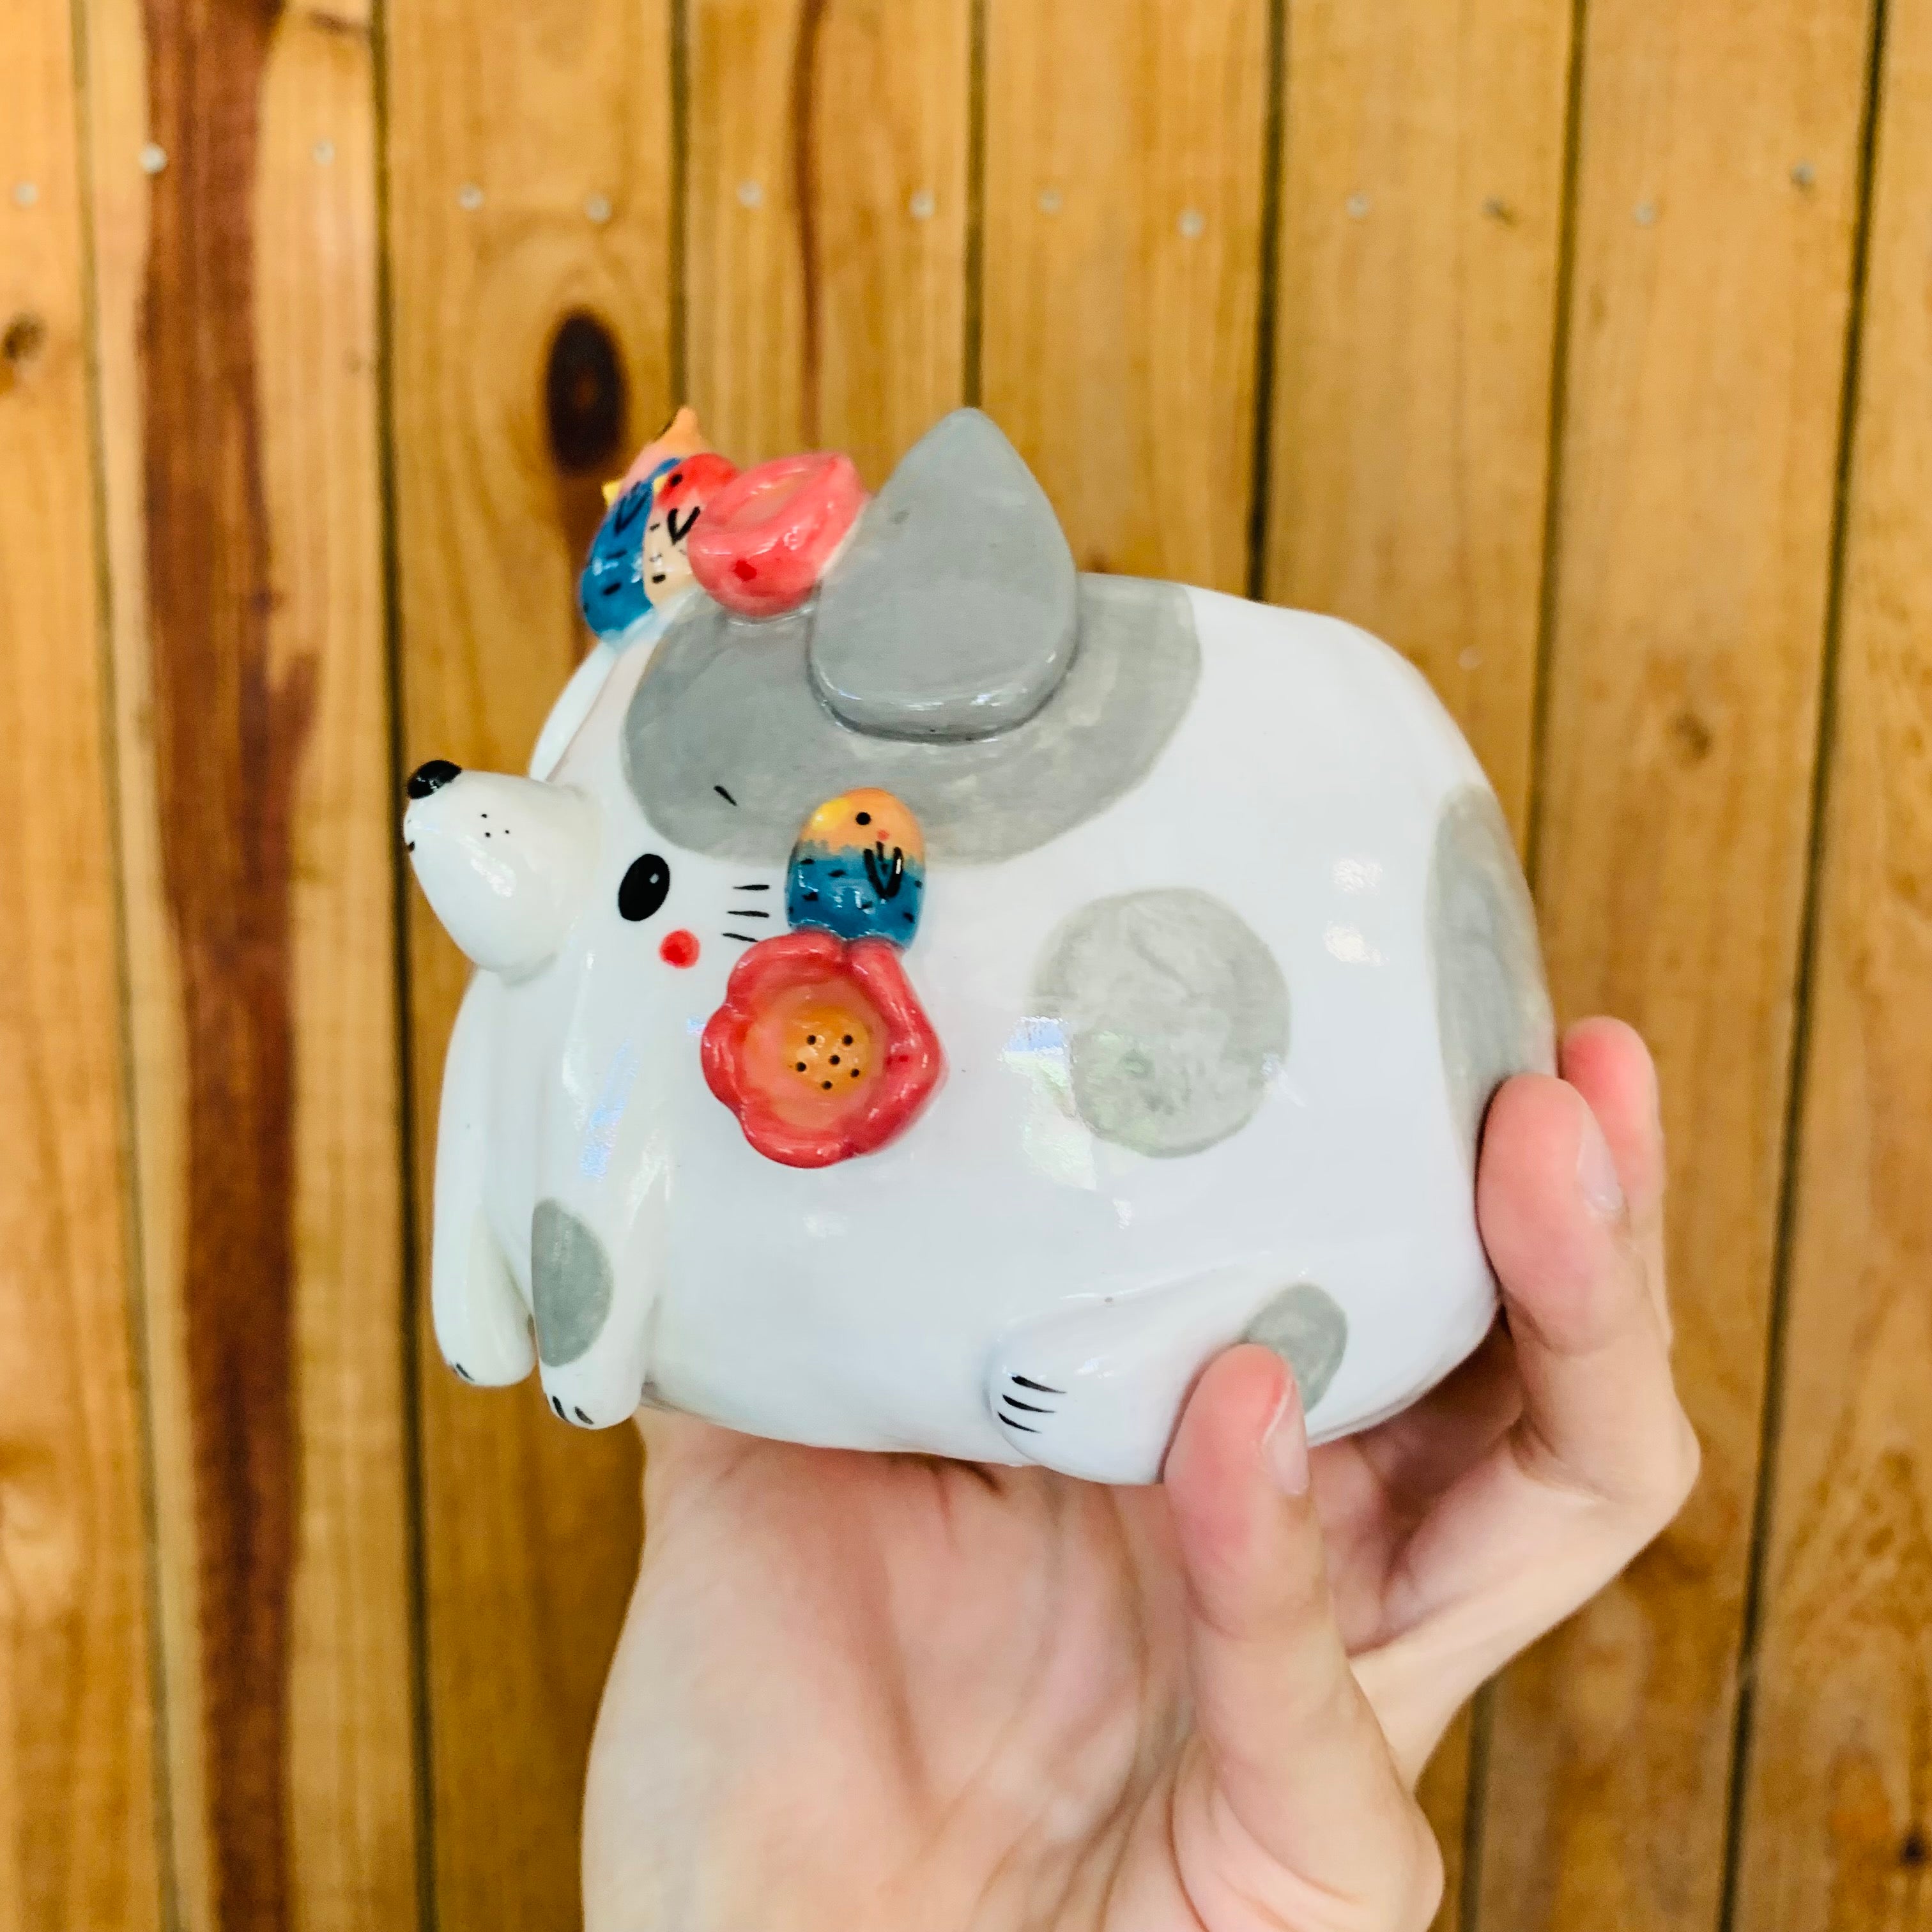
826	192
1717	187
117	87
1837	1805
237	365
79	1823
350	1768
1443	1793
1422	200
513	128
1125	163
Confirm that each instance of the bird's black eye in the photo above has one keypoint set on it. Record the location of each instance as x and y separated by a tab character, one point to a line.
644	887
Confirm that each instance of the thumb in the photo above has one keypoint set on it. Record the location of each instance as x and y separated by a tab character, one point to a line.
1289	1808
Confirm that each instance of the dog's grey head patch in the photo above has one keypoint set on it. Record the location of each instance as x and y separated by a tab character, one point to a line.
727	749
951	612
1492	1006
571	1284
1174	1014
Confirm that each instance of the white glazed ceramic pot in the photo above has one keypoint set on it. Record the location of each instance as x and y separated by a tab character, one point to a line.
1214	947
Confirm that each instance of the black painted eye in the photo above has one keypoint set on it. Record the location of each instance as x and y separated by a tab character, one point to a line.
644	887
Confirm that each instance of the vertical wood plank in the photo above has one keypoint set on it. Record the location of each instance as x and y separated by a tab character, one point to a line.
827	186
1837	1802
1416	307
78	1829
117	82
530	194
351	1763
238	353
1717	189
1422	203
1125	161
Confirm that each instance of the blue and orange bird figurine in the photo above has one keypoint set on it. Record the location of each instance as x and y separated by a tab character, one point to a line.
637	567
858	869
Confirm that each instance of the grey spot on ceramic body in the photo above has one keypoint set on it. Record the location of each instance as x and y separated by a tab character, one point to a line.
1175	1014
571	1284
952	614
1307	1327
728	704
1492	1006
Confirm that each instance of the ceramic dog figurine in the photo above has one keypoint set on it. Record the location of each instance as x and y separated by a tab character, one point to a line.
936	1001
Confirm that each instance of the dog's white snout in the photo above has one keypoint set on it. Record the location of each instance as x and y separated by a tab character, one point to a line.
504	862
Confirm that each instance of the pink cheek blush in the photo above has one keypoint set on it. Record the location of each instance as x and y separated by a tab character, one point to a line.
679	948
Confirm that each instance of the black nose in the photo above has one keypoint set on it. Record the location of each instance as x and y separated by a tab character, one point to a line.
432	777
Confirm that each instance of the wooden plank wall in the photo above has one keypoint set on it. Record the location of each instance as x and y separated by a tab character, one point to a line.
80	1833
1581	347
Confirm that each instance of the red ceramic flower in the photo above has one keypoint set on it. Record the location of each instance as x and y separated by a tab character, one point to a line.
765	537
821	1048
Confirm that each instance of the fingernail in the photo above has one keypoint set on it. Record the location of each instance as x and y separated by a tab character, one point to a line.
1285	1446
1597	1172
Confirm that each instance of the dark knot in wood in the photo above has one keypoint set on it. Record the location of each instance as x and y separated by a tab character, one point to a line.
583	397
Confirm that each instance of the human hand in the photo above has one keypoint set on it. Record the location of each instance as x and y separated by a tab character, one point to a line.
885	1692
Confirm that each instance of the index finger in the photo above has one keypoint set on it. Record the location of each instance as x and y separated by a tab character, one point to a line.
1569	1207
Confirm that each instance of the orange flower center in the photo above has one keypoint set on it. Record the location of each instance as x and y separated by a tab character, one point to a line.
814	1047
828	1044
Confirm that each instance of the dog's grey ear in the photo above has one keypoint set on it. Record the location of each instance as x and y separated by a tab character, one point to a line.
952	614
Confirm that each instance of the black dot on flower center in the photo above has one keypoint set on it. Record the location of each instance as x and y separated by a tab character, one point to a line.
826	1084
801	1067
848	1039
835	1060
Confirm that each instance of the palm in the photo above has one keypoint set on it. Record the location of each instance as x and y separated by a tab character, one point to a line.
881	1691
943	1636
